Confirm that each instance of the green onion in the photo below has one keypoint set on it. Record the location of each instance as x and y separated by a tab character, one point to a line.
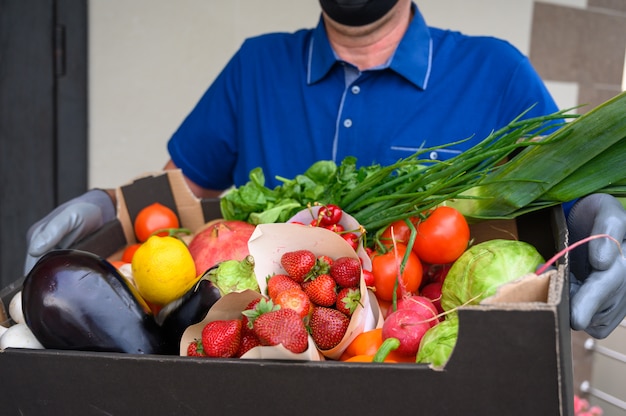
508	173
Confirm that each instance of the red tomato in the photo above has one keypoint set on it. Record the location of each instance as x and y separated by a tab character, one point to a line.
442	237
153	218
385	268
401	232
129	251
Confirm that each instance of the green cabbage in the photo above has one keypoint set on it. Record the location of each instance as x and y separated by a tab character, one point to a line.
479	271
438	342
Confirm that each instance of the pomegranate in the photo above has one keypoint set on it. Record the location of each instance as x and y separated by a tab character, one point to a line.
220	240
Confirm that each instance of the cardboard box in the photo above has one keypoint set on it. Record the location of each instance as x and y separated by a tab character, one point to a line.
510	359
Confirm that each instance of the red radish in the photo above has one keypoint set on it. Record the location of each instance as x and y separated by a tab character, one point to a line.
435	272
432	291
220	240
422	305
408	326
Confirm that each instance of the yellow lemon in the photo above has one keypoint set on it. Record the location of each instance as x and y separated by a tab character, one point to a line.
163	269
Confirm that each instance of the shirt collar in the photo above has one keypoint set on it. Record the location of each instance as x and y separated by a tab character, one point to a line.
412	59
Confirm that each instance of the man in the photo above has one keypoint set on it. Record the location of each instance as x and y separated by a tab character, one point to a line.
373	81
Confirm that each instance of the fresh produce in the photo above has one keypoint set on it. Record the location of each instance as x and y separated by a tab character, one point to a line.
299	264
422	305
481	181
221	338
442	236
348	298
78	301
220	240
346	271
233	275
365	346
163	269
273	326
19	336
129	252
296	299
276	283
15	308
408	326
321	289
154	218
432	291
328	326
191	308
484	267
386	269
438	342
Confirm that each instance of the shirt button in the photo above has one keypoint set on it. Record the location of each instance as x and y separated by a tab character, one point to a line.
433	155
347	123
356	89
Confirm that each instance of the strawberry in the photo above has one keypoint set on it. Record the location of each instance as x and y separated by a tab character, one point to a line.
244	318
322	290
249	340
194	349
328	326
348	299
221	338
346	271
295	299
324	261
282	326
298	264
279	282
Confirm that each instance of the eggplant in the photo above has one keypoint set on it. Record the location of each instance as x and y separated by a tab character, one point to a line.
191	308
75	300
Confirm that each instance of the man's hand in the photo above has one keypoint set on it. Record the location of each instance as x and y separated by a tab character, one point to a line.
598	291
67	224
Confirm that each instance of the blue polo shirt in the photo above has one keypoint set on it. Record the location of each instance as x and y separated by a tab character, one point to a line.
284	101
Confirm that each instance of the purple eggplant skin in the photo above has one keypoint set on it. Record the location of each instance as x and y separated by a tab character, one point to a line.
75	300
188	310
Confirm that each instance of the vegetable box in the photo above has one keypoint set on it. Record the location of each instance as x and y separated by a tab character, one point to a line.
511	358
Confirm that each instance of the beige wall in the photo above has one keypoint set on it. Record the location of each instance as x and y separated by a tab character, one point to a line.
150	60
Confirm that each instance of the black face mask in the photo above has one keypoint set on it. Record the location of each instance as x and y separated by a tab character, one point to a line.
356	12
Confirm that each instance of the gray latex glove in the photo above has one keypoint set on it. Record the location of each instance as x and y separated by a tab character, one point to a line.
598	291
67	224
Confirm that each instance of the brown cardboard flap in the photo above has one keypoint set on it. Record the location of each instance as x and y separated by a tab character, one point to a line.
166	187
528	288
493	229
545	288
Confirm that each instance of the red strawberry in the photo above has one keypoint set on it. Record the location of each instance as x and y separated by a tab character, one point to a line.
346	271
324	261
322	290
328	326
249	340
194	349
221	338
348	299
298	264
295	299
244	318
279	282
282	326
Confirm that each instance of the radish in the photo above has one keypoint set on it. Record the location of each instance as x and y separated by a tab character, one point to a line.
432	291
422	305
408	326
